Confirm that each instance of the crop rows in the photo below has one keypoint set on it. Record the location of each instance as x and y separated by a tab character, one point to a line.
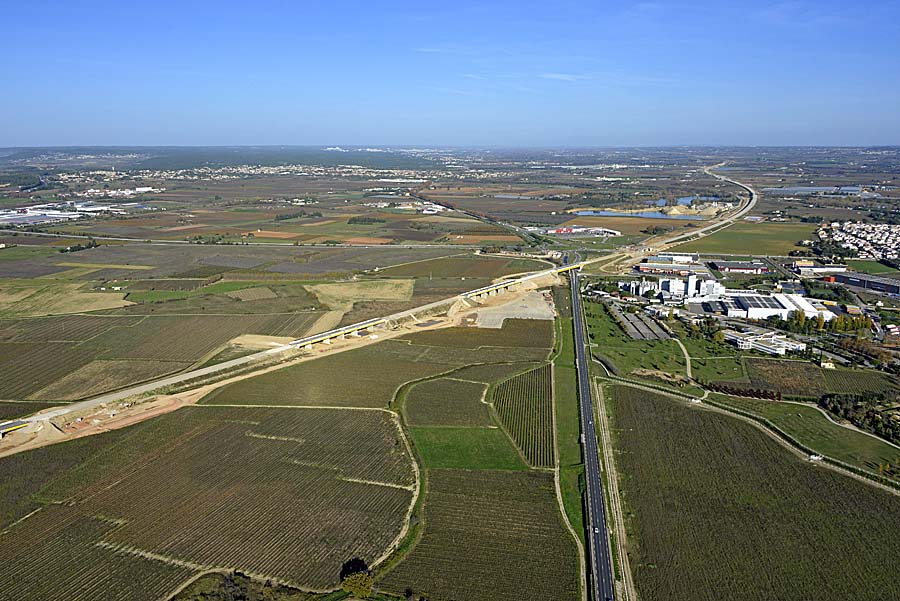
857	381
287	493
72	328
12	410
188	338
100	376
365	377
490	535
529	333
27	367
446	402
53	555
798	378
718	510
525	407
491	372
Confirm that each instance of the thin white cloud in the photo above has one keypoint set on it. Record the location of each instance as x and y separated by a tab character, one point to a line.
562	76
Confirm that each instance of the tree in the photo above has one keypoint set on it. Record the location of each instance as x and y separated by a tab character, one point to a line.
359	585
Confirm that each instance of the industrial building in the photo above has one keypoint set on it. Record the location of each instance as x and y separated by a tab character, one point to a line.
750	305
750	267
808	267
576	230
675	288
764	342
874	283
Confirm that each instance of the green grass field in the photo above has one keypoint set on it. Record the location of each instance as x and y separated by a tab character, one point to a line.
628	354
568	426
711	360
466	448
715	509
809	426
763	238
873	267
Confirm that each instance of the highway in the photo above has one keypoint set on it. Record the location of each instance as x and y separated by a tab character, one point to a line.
741	212
598	535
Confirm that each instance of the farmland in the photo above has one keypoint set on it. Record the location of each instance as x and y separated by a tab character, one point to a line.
745	238
805	379
524	406
365	377
464	266
528	333
54	555
265	490
490	535
478	489
798	378
447	402
467	448
74	356
489	373
809	426
9	410
858	381
713	503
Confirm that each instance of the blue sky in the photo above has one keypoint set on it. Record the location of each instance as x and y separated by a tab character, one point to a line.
589	73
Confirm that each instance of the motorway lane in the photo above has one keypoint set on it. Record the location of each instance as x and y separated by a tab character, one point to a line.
598	534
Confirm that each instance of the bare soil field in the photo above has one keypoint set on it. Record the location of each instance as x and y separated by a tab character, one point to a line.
343	295
29	298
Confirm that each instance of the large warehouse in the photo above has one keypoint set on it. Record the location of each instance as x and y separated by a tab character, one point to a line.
874	283
761	306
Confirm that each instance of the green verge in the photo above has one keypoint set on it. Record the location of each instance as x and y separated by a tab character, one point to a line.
568	428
